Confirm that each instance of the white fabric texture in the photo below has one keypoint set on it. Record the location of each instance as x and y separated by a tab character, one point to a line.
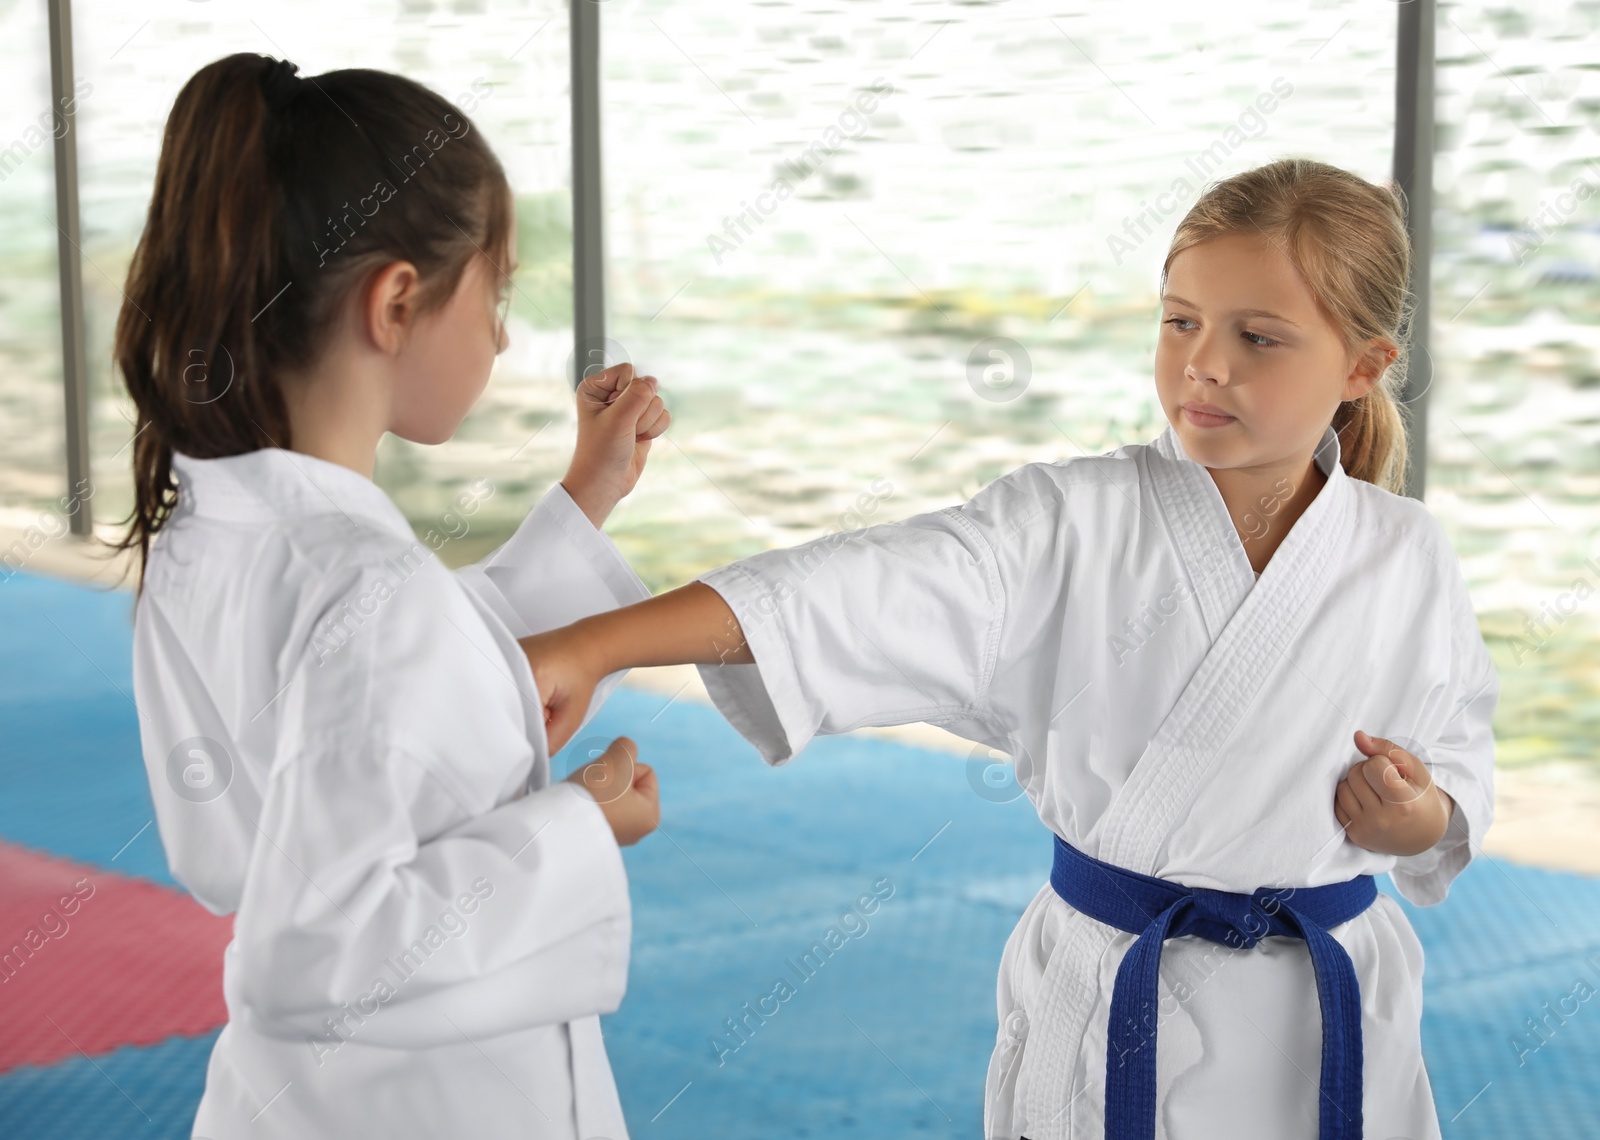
1168	712
347	753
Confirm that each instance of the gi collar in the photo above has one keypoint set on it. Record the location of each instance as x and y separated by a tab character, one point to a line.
275	483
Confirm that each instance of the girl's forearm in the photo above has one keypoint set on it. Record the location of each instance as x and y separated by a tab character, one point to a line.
691	625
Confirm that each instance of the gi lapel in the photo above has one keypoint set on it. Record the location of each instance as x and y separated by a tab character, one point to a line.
1197	519
515	669
1254	634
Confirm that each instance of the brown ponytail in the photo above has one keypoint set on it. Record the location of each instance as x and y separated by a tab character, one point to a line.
1347	238
267	210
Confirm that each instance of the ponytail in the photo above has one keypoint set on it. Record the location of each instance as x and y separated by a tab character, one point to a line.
1372	434
274	198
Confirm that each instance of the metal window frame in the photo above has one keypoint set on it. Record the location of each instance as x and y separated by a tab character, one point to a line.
1413	170
588	258
69	261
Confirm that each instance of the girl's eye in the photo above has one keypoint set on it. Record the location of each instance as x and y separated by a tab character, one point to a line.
1258	340
1177	320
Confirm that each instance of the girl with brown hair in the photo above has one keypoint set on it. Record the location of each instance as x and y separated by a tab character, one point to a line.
342	736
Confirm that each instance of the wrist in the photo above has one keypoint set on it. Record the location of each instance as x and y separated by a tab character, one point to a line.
585	491
1446	809
1429	830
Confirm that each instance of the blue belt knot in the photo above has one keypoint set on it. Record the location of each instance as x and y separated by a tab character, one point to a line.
1222	916
1155	910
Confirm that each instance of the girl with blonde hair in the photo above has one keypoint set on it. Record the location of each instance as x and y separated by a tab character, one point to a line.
1238	674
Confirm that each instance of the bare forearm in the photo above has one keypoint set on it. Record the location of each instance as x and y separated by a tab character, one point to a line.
689	625
594	503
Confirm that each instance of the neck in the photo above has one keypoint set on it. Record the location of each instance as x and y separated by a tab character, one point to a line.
1265	501
337	412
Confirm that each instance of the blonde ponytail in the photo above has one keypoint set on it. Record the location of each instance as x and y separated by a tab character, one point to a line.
1372	436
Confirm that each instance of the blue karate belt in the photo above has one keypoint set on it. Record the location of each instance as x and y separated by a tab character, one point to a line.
1155	910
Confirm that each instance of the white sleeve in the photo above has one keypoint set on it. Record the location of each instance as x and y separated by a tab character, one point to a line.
378	892
1461	761
894	624
555	569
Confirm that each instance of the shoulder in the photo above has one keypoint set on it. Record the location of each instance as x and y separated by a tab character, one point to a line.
271	568
1084	486
1404	523
1061	479
330	581
336	545
382	626
1041	513
1404	528
339	560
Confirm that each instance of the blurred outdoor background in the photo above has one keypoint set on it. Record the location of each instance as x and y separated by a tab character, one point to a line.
959	279
1018	177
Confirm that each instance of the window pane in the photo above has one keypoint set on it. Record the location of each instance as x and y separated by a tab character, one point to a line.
33	461
844	235
1513	422
505	63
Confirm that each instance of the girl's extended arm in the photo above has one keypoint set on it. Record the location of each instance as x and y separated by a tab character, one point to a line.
689	625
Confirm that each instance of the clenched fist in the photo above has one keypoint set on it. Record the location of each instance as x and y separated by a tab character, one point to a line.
1389	803
625	790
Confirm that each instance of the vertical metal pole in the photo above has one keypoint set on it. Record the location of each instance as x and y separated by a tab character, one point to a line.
588	261
1413	170
74	369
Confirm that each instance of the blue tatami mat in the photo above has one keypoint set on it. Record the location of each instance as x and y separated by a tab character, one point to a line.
71	777
143	1092
890	1036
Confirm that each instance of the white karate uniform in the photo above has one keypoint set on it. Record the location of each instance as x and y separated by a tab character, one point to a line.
347	752
1167	712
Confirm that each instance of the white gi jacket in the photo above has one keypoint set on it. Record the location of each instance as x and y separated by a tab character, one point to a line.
1168	712
347	752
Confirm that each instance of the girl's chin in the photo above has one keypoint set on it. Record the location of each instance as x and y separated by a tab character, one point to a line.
429	436
1212	447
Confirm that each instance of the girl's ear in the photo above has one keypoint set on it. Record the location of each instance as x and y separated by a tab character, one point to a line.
1369	366
388	305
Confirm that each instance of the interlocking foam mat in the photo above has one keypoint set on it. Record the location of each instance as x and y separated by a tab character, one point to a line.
94	959
890	1037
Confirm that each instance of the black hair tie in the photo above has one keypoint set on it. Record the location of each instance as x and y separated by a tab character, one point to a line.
280	84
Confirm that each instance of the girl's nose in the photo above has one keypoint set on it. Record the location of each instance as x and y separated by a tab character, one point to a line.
1206	364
